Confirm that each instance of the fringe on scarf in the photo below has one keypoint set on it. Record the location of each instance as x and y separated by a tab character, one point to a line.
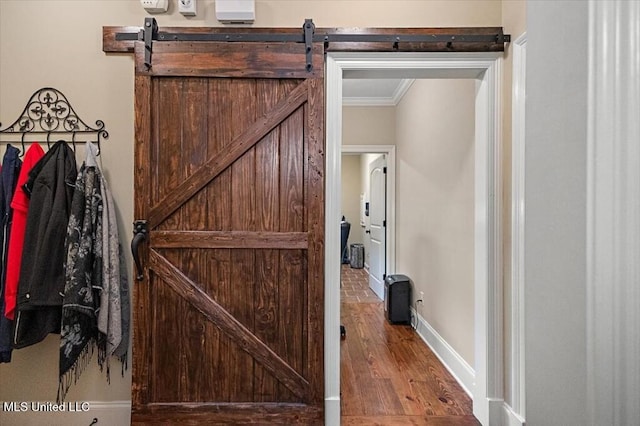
124	363
72	375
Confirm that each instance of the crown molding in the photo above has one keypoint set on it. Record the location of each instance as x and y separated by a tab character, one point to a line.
392	100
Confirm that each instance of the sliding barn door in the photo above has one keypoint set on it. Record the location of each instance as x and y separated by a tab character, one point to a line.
229	175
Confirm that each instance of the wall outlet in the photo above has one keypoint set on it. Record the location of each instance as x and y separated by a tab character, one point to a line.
187	7
155	6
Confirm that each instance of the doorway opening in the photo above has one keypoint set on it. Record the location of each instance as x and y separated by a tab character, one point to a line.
486	379
371	215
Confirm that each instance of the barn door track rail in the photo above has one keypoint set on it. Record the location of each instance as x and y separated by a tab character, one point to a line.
469	39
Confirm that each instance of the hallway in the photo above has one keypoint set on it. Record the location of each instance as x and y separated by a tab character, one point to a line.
389	376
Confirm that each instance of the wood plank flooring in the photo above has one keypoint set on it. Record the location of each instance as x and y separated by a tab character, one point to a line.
389	376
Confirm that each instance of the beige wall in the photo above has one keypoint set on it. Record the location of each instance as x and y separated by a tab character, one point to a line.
368	125
351	190
58	43
435	204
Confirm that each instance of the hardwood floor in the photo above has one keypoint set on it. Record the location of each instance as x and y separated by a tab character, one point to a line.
389	376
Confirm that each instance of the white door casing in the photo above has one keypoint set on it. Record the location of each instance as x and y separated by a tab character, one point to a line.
377	225
516	413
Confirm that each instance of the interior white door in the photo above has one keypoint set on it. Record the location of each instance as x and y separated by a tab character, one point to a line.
377	224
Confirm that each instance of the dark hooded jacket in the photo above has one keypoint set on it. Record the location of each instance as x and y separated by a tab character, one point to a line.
39	305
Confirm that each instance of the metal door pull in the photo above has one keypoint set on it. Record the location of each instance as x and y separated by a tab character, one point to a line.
139	235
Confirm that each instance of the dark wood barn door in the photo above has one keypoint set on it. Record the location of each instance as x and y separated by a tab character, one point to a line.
229	175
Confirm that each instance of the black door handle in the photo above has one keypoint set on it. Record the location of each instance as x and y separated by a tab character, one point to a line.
139	235
368	231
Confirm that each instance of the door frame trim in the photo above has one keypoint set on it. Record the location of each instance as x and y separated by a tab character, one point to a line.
390	152
517	397
486	68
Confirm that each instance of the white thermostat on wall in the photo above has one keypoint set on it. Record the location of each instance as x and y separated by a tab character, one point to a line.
236	11
155	6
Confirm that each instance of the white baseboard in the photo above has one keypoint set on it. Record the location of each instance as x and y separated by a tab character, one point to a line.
457	366
332	411
509	418
76	413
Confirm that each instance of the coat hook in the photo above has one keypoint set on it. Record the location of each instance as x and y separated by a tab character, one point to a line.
73	141
22	143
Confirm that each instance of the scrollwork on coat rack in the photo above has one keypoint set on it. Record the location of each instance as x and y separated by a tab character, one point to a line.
48	114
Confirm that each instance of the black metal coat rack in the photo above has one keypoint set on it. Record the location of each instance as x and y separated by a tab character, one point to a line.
49	114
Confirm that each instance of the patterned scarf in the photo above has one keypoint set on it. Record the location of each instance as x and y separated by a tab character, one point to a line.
96	307
83	280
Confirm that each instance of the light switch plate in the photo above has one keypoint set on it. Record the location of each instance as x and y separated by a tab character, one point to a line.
187	7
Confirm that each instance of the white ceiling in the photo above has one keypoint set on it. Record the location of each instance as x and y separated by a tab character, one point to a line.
374	91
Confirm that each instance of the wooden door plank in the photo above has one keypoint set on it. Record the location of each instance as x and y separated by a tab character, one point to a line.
229	239
197	383
267	196
218	267
292	202
166	359
194	150
220	135
267	161
241	308
200	341
141	290
238	59
198	414
265	321
240	145
243	337
243	212
170	380
292	263
314	132
169	142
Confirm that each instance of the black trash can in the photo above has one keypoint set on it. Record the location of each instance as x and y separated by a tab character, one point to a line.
397	298
345	227
357	256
